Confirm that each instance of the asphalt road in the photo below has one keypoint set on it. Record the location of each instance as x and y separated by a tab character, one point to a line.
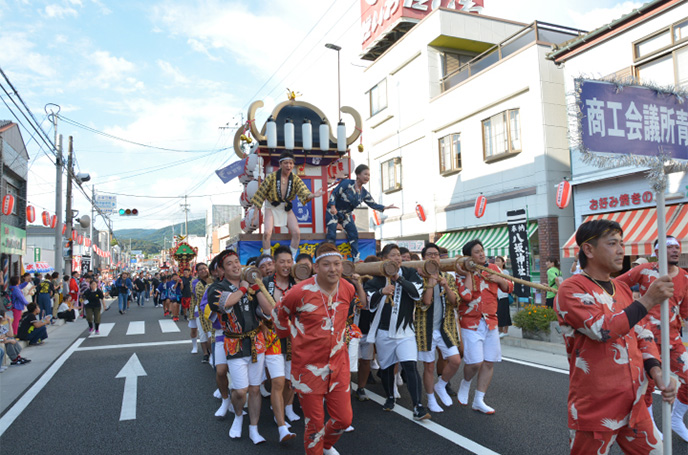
78	409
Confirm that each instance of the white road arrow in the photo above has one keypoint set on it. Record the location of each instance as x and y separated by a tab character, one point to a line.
130	372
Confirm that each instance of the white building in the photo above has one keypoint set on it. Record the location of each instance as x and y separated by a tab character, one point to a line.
464	105
650	44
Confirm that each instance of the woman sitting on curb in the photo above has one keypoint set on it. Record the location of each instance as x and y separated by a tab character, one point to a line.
31	328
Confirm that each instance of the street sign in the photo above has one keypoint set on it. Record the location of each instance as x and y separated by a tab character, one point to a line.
36	254
107	204
133	260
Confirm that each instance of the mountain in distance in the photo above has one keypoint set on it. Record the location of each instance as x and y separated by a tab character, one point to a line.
150	241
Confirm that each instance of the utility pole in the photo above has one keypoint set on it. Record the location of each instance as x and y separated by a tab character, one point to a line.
93	219
68	212
59	260
185	207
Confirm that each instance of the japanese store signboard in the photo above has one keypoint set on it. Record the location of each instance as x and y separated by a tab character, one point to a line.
632	120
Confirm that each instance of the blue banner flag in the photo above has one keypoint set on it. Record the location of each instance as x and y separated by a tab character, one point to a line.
232	171
632	120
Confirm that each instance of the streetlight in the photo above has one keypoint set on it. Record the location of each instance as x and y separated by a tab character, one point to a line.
339	85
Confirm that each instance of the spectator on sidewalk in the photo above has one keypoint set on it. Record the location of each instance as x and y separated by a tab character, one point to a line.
93	303
67	311
9	342
503	303
57	295
31	328
19	301
554	280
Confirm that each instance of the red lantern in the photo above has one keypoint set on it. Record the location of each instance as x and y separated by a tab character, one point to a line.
53	221
87	242
377	219
7	204
30	214
563	194
80	240
420	212
64	228
45	217
480	206
75	235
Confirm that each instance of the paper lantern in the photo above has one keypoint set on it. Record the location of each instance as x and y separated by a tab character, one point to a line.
563	194
87	242
30	213
480	206
271	133
289	134
324	133
252	188
64	228
341	137
251	164
420	212
53	221
75	235
307	135
244	200
80	240
7	204
45	217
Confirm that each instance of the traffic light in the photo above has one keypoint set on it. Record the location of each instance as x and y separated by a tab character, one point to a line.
128	212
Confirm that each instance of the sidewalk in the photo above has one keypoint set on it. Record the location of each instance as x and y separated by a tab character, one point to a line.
541	352
17	379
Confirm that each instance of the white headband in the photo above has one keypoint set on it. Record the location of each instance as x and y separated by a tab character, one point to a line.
286	158
328	254
264	260
671	241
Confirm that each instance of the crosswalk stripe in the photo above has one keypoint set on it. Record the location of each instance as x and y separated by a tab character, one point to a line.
136	328
104	330
168	326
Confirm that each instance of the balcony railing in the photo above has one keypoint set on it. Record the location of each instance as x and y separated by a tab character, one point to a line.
540	32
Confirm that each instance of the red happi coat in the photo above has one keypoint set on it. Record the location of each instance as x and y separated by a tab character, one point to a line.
320	358
480	303
607	375
643	275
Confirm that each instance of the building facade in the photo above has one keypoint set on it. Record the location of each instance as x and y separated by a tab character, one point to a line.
649	44
465	105
14	161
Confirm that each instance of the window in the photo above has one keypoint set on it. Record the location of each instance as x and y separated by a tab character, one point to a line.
450	153
451	62
662	58
391	175
652	44
378	97
502	135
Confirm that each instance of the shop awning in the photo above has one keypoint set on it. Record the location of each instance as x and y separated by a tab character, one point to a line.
679	227
639	226
494	239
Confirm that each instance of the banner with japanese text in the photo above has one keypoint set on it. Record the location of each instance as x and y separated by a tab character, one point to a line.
632	120
519	249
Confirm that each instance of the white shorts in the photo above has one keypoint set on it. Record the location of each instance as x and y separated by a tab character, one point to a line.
481	345
437	342
366	351
353	355
394	350
279	215
275	365
193	324
245	373
287	369
220	356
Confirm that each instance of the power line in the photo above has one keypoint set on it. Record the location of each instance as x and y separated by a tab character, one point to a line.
110	136
163	197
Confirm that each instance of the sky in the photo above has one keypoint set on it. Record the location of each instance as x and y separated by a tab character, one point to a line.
132	78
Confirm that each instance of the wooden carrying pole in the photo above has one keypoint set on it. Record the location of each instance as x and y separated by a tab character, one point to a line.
384	268
253	276
468	264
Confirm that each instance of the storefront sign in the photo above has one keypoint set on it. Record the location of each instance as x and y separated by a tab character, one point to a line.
12	240
378	16
519	249
632	120
623	200
36	254
251	248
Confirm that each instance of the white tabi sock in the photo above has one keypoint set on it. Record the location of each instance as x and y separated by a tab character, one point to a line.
254	435
284	434
479	403
677	423
263	391
464	389
217	394
194	344
290	414
235	430
432	404
441	391
286	424
224	407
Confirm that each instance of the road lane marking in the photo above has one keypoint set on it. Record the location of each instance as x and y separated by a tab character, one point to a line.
130	372
168	326
133	345
26	399
105	328
536	365
434	427
136	328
